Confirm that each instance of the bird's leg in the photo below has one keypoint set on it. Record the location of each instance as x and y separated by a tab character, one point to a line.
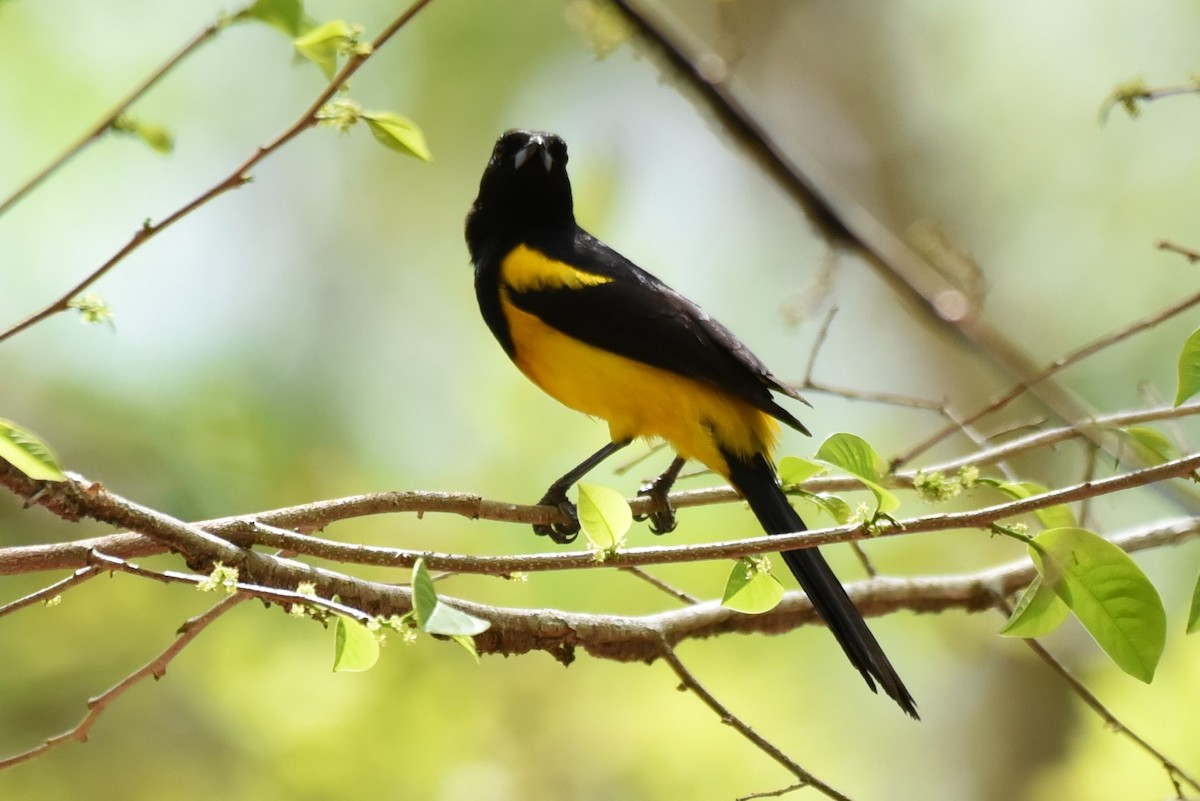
662	517
556	496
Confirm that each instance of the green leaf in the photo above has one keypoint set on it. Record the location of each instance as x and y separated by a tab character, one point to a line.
28	454
468	645
831	505
604	516
793	470
1193	624
435	617
424	596
1109	594
1056	516
1150	446
751	588
1038	612
855	456
450	622
355	647
158	138
285	15
1189	369
322	44
398	133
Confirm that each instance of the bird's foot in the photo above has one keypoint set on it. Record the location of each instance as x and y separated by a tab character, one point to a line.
662	516
561	533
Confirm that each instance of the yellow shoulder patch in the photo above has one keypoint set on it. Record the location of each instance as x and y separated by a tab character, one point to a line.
525	269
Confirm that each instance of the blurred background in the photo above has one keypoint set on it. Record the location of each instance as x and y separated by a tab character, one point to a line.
315	334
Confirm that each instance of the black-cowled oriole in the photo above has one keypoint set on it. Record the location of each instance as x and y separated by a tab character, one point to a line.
612	341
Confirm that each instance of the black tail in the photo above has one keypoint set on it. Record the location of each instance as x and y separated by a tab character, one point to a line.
756	482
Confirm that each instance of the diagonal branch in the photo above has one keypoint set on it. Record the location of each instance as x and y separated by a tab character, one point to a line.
155	668
236	179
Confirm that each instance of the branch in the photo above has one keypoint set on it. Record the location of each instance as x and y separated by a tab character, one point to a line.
105	124
202	546
236	179
839	218
1174	772
689	682
156	667
1059	364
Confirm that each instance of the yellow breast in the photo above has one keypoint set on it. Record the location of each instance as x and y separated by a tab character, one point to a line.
636	399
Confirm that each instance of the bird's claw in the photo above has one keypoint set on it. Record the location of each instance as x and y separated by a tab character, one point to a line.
561	533
662	517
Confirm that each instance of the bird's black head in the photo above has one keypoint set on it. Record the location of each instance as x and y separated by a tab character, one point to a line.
524	189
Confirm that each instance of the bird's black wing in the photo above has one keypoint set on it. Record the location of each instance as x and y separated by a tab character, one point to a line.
637	316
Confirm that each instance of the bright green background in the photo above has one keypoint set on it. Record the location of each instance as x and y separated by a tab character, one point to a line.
314	334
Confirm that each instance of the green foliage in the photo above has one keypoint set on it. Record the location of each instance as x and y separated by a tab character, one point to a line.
1038	612
93	309
855	456
435	617
1126	95
1188	372
392	130
604	516
751	587
936	487
222	577
324	43
1055	516
27	453
1150	446
794	471
285	15
158	138
398	133
832	505
355	646
1109	594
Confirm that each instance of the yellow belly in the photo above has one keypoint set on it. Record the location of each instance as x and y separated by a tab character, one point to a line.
636	399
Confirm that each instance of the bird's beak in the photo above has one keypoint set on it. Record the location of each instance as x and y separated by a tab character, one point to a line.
536	145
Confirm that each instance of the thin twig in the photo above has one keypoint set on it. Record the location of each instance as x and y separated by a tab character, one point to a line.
1111	721
1191	254
1061	363
236	179
689	682
105	124
156	668
273	594
888	398
843	222
658	583
46	594
782	791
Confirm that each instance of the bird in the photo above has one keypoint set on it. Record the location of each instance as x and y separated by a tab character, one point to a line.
606	338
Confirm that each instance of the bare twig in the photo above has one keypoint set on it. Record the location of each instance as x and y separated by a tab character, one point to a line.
105	124
272	594
237	178
1191	254
47	594
888	398
1059	364
689	682
156	668
782	791
658	583
1174	772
